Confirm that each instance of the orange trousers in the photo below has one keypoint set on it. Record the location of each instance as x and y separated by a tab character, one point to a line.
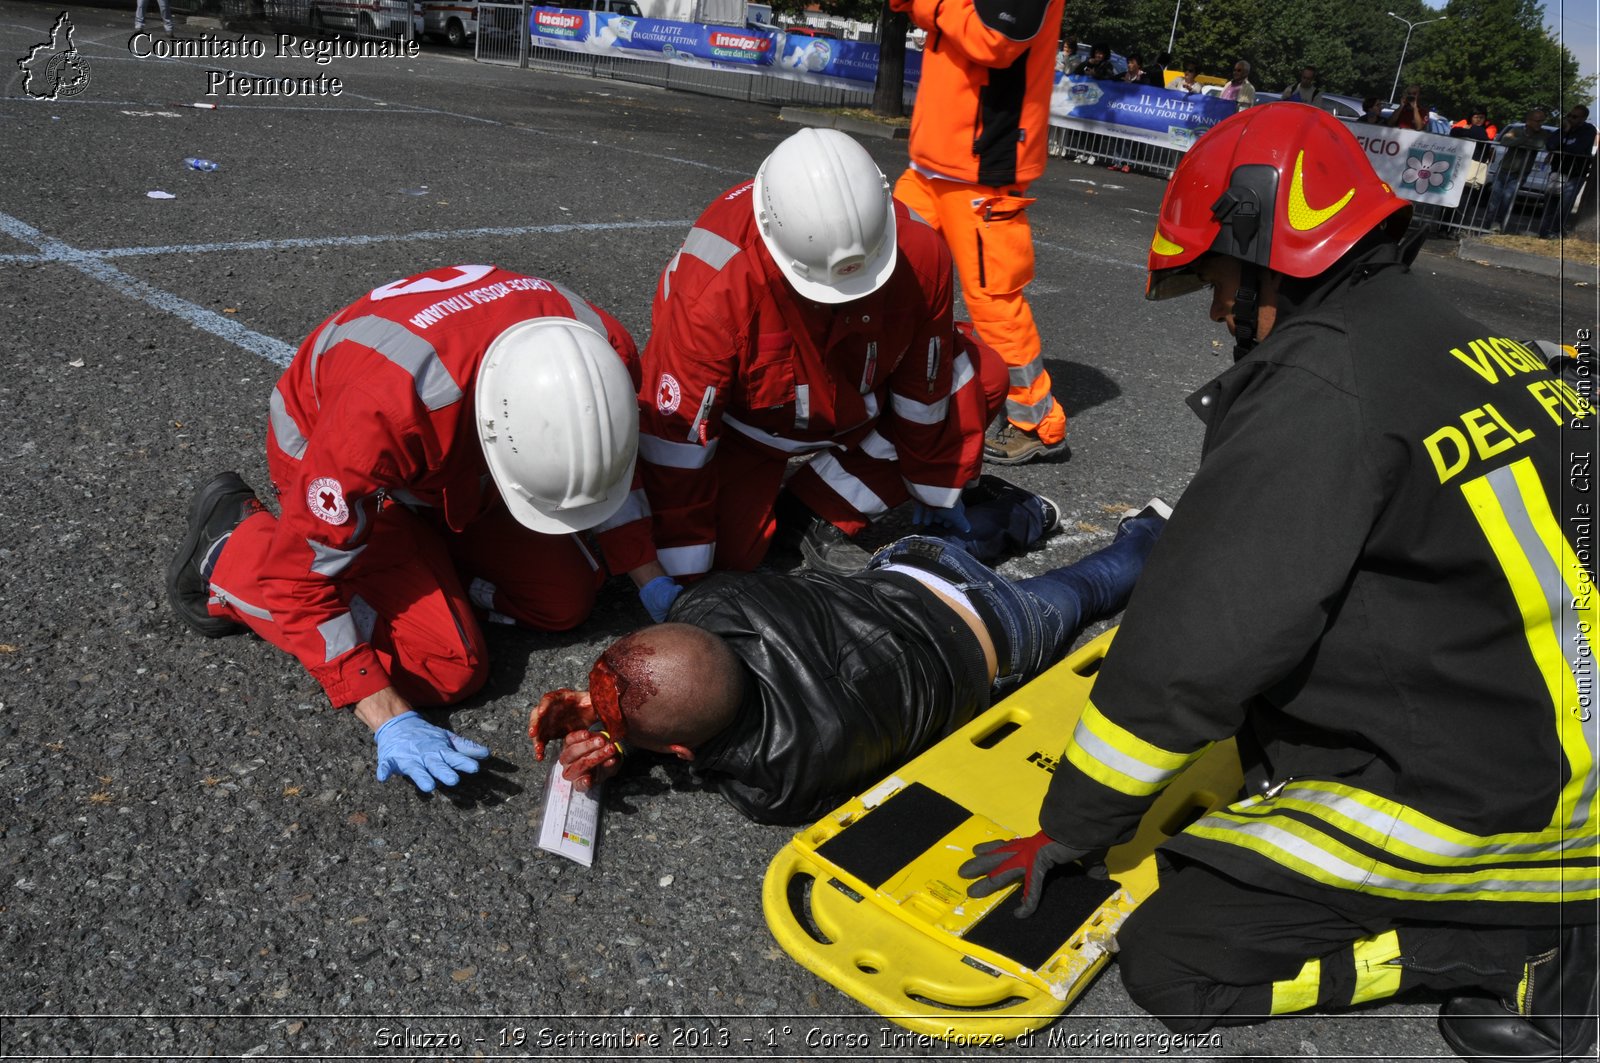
992	244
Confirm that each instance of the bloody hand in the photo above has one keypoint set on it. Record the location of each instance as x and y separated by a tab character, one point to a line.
560	713
589	758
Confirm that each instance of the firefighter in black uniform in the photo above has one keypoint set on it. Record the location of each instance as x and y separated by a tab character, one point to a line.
1373	584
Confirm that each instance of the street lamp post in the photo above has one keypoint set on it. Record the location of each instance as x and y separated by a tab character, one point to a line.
1409	27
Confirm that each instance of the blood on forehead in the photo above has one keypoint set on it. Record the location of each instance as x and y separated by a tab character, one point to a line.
620	683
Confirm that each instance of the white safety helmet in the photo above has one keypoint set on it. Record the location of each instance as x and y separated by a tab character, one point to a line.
558	418
826	214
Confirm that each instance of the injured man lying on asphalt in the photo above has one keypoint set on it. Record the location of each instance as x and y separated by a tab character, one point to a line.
791	692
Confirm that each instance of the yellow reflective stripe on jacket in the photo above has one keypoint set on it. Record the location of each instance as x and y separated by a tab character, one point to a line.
1302	848
1556	600
1300	992
1407	834
1377	975
1116	757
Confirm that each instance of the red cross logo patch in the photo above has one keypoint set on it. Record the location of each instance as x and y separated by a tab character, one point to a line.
325	499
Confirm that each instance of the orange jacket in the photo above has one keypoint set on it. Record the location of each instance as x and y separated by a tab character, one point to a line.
983	109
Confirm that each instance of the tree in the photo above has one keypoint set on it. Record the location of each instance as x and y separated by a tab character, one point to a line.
888	94
1497	54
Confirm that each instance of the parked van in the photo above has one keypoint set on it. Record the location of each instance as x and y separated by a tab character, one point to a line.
453	21
616	7
374	18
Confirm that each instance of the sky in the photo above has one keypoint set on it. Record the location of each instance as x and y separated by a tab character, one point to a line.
1576	24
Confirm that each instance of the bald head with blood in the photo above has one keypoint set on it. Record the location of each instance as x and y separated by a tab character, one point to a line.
668	688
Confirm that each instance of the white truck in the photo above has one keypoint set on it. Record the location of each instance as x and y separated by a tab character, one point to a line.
454	21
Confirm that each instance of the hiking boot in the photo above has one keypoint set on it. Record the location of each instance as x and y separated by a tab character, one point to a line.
1009	445
827	549
1552	1017
992	489
220	507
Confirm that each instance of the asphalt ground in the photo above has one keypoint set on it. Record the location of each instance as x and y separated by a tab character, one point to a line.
195	854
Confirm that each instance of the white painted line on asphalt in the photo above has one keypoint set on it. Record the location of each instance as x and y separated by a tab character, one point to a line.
1103	259
32	102
294	243
273	350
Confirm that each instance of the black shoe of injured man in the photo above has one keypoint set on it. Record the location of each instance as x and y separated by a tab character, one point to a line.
990	489
827	549
220	507
1552	1015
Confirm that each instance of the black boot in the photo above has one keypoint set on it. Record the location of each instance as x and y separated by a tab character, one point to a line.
824	547
1551	1016
221	506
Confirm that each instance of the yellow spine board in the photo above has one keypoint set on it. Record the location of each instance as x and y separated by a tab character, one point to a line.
899	948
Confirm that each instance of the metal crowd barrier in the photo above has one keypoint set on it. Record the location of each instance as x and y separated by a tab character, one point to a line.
503	38
1514	192
1103	149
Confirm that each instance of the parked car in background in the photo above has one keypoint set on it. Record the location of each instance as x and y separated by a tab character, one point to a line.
1346	108
453	21
372	18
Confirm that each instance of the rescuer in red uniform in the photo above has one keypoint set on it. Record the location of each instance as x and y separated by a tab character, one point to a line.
433	448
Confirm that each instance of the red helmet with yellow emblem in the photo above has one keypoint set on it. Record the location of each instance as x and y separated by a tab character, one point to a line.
1284	186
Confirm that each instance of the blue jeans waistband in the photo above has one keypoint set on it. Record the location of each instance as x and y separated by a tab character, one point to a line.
1011	619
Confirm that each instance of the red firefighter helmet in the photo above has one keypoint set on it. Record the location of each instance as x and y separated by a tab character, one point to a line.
1285	186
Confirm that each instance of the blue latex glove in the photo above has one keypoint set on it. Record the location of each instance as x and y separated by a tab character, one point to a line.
952	517
658	596
425	754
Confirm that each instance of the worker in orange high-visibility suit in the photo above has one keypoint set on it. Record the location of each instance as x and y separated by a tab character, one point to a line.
978	138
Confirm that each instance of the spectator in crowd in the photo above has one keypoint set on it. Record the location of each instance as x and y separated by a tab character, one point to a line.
1571	162
1067	56
1476	126
1098	65
166	15
1136	74
1411	113
1238	89
1306	90
1372	111
1159	72
1189	80
1519	145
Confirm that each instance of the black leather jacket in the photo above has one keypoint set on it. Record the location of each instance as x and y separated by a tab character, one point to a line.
850	676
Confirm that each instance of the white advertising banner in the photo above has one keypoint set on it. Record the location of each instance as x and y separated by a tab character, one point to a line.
1421	167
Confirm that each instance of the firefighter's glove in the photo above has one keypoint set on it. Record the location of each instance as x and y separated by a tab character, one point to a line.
658	596
998	864
425	754
953	517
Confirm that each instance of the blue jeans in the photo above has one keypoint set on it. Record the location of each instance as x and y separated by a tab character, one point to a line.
1555	219
1033	621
